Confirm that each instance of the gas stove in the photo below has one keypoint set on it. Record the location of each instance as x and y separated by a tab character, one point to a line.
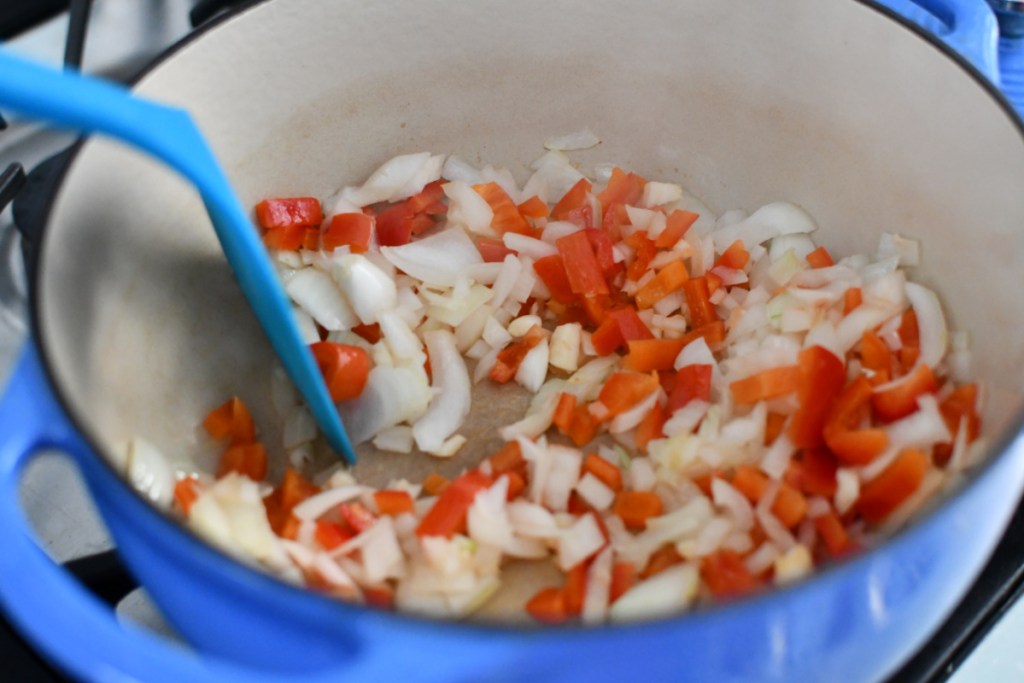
116	40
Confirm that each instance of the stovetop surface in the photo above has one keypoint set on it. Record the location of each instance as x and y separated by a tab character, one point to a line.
980	641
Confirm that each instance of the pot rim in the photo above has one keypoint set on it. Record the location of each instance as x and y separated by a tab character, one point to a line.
243	573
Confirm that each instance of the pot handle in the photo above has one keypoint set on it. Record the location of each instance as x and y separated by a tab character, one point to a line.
74	629
967	26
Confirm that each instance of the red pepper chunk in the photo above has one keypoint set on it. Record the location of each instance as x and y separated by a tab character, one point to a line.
286	213
692	382
492	250
288	238
900	400
883	494
551	271
622	189
822	375
698	300
624	390
506	215
572	200
581	265
725	574
349	229
448	515
604	252
678	223
345	368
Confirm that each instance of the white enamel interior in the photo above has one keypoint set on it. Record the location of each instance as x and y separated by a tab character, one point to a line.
827	104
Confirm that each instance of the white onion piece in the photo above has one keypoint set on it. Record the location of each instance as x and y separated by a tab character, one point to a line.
528	246
794	564
684	420
318	295
439	259
369	289
510	270
504	179
563	475
641	475
586	382
640	219
852	327
149	471
381	554
776	458
554	175
658	194
595	492
768	222
468	209
538	416
450	406
598	588
397	179
401	340
533	369
523	324
318	504
727	497
555	230
487	520
921	429
579	139
230	514
456	168
391	395
532	521
579	541
397	439
565	346
711	536
307	326
696	352
495	334
847	489
667	592
799	244
907	251
930	321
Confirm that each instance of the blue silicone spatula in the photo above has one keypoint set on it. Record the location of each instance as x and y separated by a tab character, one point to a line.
89	105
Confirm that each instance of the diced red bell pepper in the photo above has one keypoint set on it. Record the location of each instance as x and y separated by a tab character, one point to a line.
668	280
735	256
582	268
506	215
676	225
534	207
623	188
822	375
448	514
692	382
351	229
624	390
288	238
492	250
604	253
232	421
345	368
820	258
766	384
247	459
725	574
573	199
900	400
698	300
644	252
883	494
551	270
291	212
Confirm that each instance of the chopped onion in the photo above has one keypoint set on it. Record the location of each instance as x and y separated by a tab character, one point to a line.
739	508
554	175
149	471
528	246
564	474
659	194
667	592
533	369
391	395
579	139
450	405
397	439
931	323
579	541
318	295
598	588
565	346
768	222
439	259
368	288
397	179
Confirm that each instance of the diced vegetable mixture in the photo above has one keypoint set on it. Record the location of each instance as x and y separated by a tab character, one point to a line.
718	403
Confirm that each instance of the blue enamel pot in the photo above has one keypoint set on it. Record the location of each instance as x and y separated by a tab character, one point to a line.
842	106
